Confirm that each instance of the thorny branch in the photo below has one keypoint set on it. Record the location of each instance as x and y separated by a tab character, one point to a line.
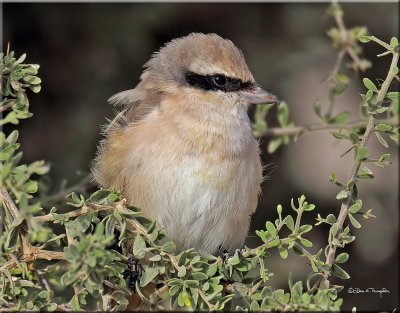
298	130
347	45
344	209
28	253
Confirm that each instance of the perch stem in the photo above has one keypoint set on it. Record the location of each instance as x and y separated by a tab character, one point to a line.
344	209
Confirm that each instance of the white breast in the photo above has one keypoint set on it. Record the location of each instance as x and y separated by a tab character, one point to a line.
202	197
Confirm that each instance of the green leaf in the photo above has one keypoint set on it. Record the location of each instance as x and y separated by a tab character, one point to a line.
80	225
112	197
331	219
309	207
283	252
369	95
32	69
283	114
21	59
341	258
343	194
174	289
233	261
362	153
18	220
254	306
181	300
382	109
338	135
341	118
365	172
339	272
139	246
35	88
199	276
370	85
383	127
305	229
155	258
182	271
393	95
317	108
99	196
33	80
394	42
148	276
168	247
354	137
289	222
30	186
334	230
13	137
274	145
356	207
306	243
271	228
384	158
353	221
212	269
12	239
365	39
381	140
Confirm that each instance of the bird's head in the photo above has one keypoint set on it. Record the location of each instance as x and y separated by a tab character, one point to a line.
205	68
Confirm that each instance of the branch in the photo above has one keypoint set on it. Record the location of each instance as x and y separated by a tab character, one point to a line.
6	107
298	130
344	209
348	47
84	210
32	255
8	203
12	209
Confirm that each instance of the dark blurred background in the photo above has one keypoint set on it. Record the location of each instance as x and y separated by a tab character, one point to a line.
89	51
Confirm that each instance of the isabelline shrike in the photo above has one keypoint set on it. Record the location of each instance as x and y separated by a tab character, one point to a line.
182	148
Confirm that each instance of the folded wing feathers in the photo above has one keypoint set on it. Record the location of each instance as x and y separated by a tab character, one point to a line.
124	98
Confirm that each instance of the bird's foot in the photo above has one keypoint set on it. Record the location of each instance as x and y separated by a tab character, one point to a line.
225	255
133	273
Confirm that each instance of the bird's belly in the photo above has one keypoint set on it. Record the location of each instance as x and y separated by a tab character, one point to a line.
203	202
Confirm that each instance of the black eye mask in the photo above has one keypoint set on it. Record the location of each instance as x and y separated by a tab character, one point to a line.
217	82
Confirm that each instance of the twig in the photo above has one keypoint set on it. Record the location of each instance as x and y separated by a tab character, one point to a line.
43	280
352	180
345	38
10	206
204	297
34	254
8	203
84	210
159	292
336	68
297	130
6	107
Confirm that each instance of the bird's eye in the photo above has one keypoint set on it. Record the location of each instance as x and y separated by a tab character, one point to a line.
219	80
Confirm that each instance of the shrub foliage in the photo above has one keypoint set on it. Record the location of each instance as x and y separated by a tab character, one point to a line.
103	250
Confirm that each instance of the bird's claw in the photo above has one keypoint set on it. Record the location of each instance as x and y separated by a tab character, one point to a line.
133	273
225	255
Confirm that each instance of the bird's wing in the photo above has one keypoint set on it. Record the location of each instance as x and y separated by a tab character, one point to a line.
136	103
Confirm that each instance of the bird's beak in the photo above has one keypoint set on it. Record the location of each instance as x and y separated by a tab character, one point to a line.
257	95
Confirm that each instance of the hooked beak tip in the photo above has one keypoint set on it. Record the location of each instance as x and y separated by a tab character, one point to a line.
260	96
274	99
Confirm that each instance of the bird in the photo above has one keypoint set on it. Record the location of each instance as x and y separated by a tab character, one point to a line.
182	149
